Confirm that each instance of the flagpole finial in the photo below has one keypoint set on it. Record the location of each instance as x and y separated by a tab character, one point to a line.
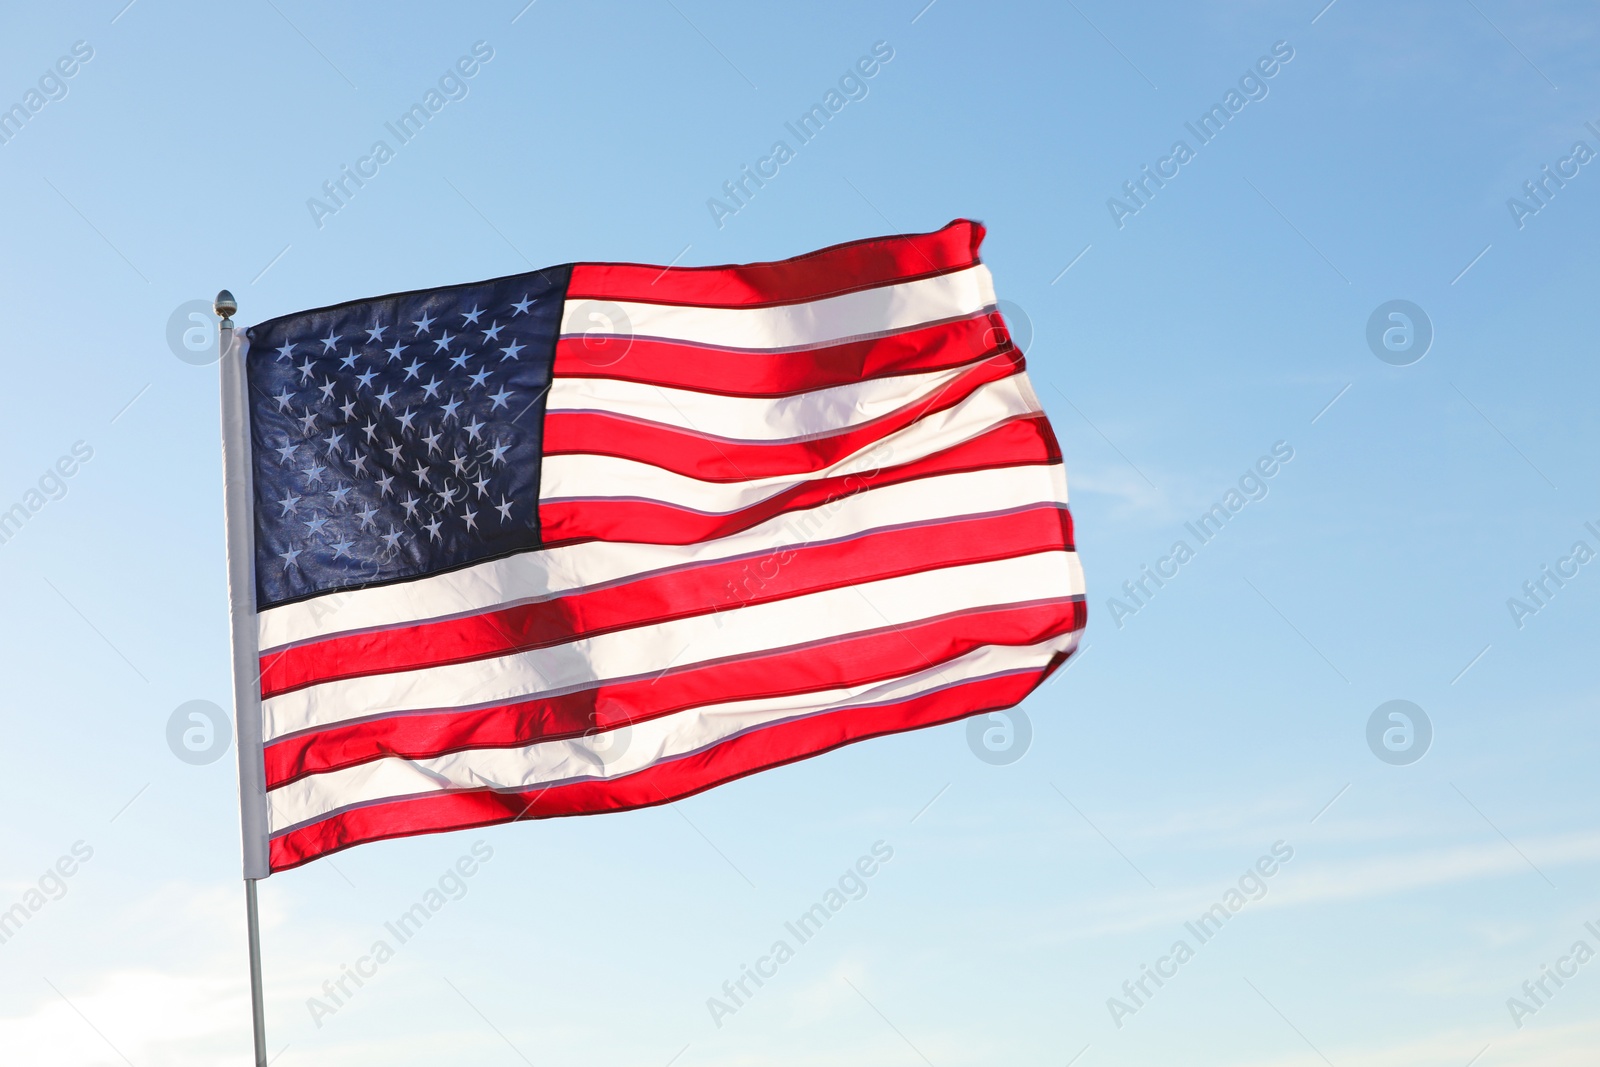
226	307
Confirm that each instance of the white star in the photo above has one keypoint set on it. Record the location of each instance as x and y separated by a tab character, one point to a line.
375	334
482	485
286	453
411	371
366	514
471	317
334	439
347	360
472	429
315	525
423	324
313	473
479	378
288	503
283	399
522	308
459	462
393	537
384	398
511	351
348	410
305	370
433	529
447	496
450	409
326	389
384	483
371	430
365	378
493	332
470	517
340	493
410	504
341	548
359	464
308	422
285	352
394	352
405	419
499	398
394	451
288	557
421	471
457	362
442	342
431	389
497	454
432	441
329	341
504	508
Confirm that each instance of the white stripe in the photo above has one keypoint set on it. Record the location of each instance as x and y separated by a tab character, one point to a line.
626	750
645	650
812	414
537	575
591	477
870	312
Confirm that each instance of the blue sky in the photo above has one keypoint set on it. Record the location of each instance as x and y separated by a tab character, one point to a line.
1227	715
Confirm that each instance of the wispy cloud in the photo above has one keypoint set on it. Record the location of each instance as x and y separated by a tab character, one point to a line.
1311	879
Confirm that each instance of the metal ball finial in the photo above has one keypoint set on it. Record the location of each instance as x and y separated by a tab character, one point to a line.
225	306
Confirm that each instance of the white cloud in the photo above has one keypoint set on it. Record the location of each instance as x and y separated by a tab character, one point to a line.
142	1016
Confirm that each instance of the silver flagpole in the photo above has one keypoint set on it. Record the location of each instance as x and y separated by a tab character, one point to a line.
239	519
258	1011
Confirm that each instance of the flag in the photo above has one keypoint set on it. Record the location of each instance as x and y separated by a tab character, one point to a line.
605	535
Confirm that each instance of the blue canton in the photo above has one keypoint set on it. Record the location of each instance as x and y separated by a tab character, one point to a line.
400	436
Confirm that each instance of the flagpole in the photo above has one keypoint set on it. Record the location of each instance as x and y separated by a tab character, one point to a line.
238	518
258	1011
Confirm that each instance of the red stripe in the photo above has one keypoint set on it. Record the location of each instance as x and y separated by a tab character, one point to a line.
720	459
734	758
1015	443
829	272
697	590
856	659
766	373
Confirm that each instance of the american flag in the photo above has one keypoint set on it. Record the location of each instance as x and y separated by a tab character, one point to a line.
602	536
